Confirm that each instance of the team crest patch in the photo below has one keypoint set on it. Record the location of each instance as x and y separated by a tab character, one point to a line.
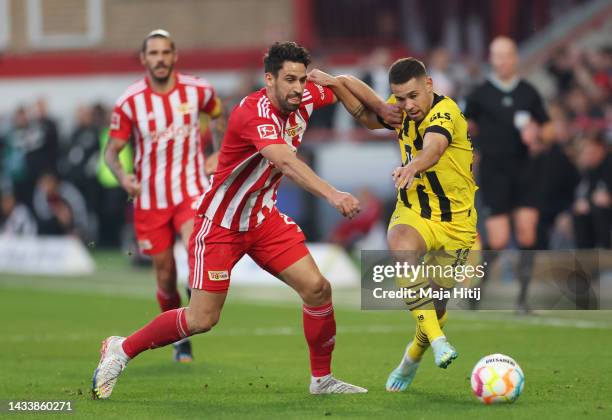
145	244
293	131
267	131
186	108
218	275
115	121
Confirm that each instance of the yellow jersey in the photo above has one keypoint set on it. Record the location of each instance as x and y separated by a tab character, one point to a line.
444	192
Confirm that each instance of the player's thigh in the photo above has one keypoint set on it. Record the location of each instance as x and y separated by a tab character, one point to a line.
458	238
154	231
204	310
304	277
213	252
525	224
278	246
408	231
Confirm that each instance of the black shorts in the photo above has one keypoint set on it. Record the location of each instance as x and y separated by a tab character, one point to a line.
506	184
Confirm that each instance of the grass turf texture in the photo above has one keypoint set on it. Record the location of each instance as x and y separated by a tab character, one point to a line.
255	362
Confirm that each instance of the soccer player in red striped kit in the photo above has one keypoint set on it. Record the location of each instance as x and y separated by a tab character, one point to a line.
237	215
160	113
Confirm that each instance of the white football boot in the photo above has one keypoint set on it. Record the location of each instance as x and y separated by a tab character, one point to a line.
112	362
330	385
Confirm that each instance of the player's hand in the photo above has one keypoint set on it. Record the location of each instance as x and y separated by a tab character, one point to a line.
345	203
211	163
391	114
530	134
131	185
403	176
321	78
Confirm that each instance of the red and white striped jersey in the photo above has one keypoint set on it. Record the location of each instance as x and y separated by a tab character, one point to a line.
165	128
242	192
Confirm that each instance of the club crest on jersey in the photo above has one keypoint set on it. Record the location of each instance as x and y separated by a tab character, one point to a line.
115	121
267	131
294	131
218	275
145	244
185	108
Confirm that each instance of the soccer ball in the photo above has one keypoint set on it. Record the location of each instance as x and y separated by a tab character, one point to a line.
497	378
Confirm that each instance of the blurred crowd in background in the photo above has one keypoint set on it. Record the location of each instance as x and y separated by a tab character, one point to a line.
54	182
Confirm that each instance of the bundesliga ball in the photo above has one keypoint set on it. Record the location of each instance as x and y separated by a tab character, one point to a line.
497	378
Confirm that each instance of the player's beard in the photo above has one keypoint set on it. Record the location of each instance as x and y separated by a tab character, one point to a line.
161	80
287	106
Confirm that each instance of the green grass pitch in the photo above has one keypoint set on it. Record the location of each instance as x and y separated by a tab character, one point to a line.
255	364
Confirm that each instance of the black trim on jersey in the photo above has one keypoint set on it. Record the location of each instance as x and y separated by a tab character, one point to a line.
436	187
437	98
440	130
404	197
405	128
423	202
418	140
384	123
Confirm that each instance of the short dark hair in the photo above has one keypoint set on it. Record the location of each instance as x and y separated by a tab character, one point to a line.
157	33
405	69
280	52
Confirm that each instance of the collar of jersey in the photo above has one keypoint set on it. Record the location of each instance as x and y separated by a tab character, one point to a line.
176	83
503	86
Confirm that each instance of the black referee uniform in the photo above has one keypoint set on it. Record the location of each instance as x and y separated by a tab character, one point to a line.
507	177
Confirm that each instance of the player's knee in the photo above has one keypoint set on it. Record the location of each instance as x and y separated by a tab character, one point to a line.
498	241
201	322
526	237
318	292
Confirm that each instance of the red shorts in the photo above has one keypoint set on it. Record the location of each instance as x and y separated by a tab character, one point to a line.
213	250
156	229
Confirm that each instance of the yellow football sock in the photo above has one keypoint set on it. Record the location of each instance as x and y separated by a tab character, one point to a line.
428	321
420	342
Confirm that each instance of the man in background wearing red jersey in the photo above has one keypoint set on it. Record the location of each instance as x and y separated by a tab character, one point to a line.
237	215
160	113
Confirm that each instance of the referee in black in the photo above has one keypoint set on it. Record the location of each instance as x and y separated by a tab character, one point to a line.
508	121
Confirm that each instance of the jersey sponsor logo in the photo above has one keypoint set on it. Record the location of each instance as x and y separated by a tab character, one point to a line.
115	121
321	91
218	275
437	115
267	131
172	132
185	108
145	244
294	131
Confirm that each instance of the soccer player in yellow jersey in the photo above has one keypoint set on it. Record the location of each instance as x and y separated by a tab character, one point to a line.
435	207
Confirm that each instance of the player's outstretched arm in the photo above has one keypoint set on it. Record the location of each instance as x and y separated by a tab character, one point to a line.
300	173
434	145
111	156
363	115
391	114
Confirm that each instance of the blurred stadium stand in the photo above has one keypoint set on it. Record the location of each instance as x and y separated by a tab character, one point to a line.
78	54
